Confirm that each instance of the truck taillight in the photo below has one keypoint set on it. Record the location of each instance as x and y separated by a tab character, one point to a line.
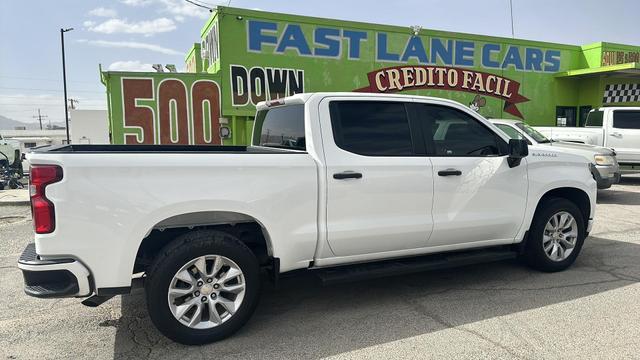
42	209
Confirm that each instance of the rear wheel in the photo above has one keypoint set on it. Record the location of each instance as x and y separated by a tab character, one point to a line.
202	287
556	236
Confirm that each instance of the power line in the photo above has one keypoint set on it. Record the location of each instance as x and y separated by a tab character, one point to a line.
44	79
31	104
56	102
199	5
24	97
53	90
205	3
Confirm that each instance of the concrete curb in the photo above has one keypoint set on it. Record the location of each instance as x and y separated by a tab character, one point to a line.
14	197
13	203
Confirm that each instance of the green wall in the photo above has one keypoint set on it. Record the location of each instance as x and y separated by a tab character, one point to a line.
255	55
339	73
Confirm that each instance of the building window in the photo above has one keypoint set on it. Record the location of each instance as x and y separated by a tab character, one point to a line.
584	112
28	145
565	116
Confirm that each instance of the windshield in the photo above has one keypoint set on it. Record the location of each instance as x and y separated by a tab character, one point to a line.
594	119
538	137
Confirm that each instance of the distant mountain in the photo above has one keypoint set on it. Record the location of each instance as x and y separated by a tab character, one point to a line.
10	124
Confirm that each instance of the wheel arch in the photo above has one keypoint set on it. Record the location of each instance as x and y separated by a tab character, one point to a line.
247	228
577	196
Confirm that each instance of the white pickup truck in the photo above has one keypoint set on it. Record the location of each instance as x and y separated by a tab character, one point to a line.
617	128
335	183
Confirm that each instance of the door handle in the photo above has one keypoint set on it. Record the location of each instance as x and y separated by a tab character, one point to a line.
616	134
450	172
347	175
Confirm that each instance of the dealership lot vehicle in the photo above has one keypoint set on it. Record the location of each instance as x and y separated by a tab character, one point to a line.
332	180
11	151
604	166
10	164
613	127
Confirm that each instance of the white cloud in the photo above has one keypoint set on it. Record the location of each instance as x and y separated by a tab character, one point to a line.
146	27
176	7
88	23
103	12
136	2
132	45
183	8
179	18
131	65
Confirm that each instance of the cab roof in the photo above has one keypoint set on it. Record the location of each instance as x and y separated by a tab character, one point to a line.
304	97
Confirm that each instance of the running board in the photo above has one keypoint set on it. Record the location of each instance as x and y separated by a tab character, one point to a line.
357	272
96	300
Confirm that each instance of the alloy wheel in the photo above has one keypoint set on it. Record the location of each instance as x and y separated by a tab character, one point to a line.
560	236
206	292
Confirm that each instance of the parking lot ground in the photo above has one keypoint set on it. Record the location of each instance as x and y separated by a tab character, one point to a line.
498	310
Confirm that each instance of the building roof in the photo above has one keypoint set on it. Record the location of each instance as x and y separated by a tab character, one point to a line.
628	69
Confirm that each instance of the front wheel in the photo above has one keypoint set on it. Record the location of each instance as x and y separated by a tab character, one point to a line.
202	287
556	236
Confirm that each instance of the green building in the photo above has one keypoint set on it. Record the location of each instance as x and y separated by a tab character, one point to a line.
247	56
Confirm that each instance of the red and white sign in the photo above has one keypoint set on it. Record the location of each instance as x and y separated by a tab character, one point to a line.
400	78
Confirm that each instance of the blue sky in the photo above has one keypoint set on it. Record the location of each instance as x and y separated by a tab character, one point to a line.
131	34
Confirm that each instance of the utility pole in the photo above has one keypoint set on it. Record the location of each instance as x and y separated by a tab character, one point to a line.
73	103
64	82
39	117
513	33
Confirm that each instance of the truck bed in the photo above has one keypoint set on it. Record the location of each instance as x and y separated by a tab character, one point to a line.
226	149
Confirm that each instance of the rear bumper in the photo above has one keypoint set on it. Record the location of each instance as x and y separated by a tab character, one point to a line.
53	278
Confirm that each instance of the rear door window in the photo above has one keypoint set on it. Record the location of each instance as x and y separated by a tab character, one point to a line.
624	119
280	127
371	128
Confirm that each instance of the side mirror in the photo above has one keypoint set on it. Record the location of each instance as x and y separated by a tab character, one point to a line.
518	148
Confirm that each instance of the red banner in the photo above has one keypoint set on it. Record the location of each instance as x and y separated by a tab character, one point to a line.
400	78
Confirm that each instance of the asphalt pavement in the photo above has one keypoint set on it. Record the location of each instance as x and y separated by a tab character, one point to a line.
499	310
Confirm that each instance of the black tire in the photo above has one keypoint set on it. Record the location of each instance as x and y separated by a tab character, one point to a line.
17	165
534	254
176	254
16	159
